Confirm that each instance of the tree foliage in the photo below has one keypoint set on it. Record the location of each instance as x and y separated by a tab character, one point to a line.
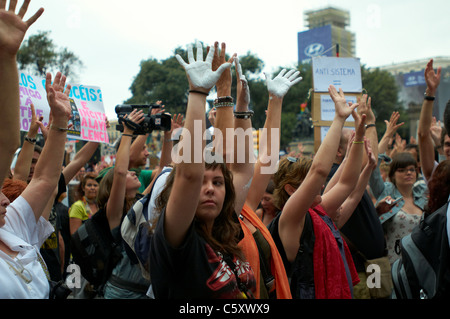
166	80
39	55
381	87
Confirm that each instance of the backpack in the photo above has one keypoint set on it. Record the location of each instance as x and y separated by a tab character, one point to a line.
423	269
96	250
135	230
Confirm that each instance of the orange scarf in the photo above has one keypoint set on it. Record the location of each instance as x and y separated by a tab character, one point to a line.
249	248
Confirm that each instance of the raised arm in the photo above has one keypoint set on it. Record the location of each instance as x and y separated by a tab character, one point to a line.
166	150
114	206
294	212
185	192
23	163
47	171
268	153
349	205
242	165
12	33
426	148
224	106
365	107
80	159
333	199
391	128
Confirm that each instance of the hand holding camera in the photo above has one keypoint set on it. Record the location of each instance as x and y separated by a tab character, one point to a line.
149	122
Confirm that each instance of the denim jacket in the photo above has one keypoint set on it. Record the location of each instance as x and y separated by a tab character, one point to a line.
381	189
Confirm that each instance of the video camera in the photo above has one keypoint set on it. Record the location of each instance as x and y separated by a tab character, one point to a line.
155	122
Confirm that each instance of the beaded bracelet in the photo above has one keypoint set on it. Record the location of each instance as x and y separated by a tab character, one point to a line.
223	104
243	115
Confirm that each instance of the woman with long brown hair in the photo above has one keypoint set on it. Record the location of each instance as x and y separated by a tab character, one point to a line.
194	249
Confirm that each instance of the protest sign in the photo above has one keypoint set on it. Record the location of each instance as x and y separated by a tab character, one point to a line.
343	73
327	110
88	114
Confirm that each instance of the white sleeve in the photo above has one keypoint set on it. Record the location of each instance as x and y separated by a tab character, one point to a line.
21	221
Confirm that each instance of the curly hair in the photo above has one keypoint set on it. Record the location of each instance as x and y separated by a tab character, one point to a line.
438	187
289	173
224	236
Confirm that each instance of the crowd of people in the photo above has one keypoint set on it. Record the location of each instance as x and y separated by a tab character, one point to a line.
215	226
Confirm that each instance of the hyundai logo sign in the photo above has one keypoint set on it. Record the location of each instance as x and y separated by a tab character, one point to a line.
314	49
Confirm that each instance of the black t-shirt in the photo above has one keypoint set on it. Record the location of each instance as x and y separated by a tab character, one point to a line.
363	229
194	270
301	271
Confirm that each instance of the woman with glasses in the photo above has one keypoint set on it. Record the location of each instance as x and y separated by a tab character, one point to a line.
400	201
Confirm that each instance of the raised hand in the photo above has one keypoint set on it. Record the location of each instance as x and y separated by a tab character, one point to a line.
436	130
34	125
200	75
161	108
432	78
243	92
58	98
343	110
12	26
136	116
359	125
365	107
391	125
281	84
212	116
223	85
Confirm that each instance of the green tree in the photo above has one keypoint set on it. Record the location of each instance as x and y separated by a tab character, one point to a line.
165	80
381	87
39	55
161	80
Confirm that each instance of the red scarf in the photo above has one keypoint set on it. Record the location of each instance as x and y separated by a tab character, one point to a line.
249	248
330	278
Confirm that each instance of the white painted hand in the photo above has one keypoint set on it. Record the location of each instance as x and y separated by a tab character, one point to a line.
281	84
243	92
200	73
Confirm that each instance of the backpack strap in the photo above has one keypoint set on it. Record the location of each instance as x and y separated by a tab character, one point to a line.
269	279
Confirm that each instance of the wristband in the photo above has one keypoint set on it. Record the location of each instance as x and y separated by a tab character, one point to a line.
428	98
358	142
221	99
223	104
199	92
370	125
30	140
59	129
243	115
130	135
